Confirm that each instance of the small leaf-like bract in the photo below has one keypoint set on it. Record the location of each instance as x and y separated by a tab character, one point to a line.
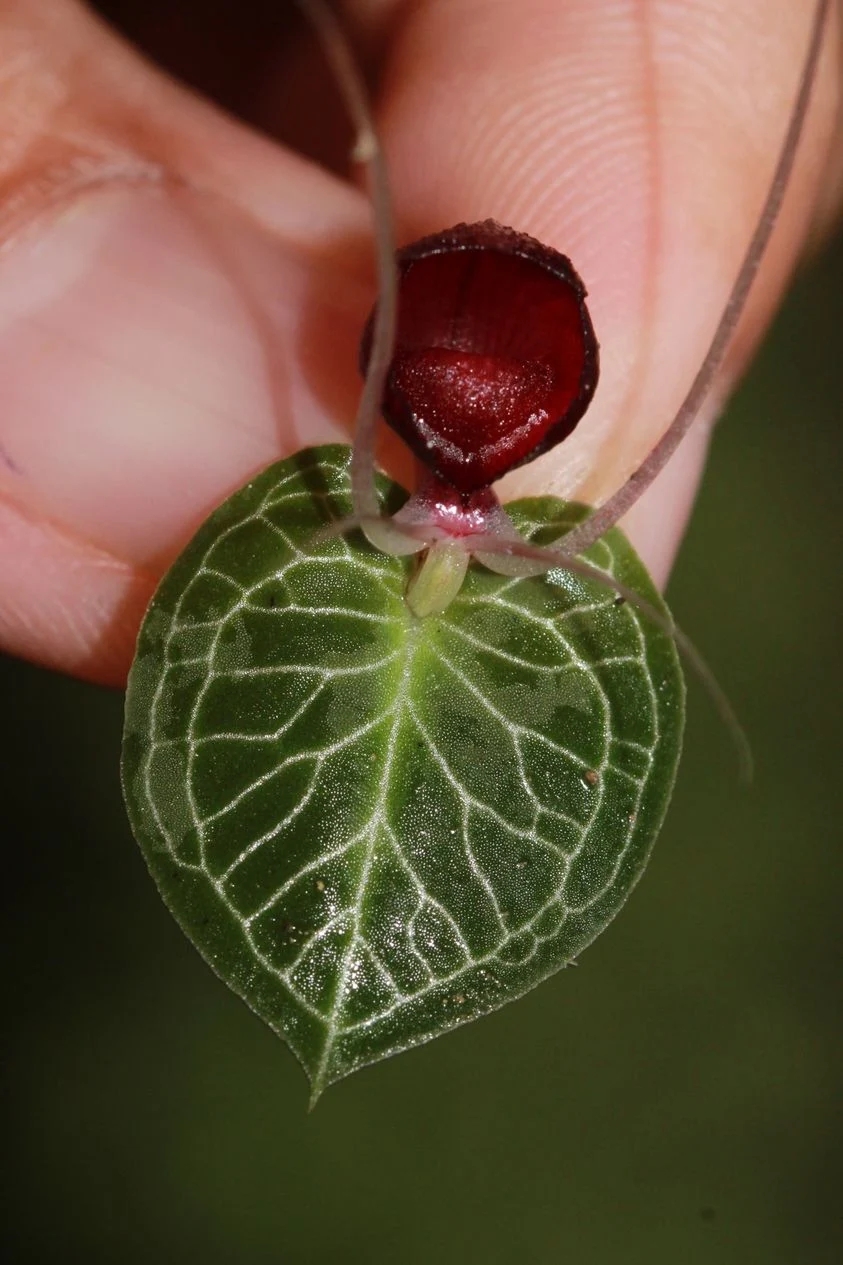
376	827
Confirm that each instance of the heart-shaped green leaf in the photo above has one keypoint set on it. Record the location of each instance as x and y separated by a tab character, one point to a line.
375	827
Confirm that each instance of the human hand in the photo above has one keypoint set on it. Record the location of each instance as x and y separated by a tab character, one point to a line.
180	298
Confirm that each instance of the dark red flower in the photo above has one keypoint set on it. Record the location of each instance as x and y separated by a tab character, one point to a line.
495	357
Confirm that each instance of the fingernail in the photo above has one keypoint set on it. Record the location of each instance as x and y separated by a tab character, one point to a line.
155	352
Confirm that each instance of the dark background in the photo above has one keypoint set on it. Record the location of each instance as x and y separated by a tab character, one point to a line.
676	1099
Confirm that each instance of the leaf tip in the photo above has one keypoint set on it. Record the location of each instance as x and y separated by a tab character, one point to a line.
317	1087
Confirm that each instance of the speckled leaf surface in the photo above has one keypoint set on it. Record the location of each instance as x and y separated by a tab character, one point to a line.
373	827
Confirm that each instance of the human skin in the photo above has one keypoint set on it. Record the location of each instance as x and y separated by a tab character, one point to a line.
181	297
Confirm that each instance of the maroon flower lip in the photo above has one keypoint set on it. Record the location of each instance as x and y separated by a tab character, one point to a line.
495	356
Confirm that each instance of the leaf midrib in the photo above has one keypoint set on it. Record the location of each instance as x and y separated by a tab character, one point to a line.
412	636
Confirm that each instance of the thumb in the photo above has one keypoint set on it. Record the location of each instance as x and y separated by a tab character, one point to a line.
178	299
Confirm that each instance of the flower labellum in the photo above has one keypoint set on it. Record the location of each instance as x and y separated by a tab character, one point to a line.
495	357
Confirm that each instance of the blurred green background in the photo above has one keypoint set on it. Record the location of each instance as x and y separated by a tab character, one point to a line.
676	1099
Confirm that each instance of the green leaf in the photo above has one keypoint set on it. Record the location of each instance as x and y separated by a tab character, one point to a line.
375	827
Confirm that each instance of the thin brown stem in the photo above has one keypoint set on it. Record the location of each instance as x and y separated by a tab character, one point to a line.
368	151
598	523
553	556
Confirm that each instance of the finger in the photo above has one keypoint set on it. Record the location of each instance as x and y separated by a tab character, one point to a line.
179	305
638	139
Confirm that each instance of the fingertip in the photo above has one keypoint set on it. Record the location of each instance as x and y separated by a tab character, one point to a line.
656	523
67	605
638	141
